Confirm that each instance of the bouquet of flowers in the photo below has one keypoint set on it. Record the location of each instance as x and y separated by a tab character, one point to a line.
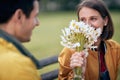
81	37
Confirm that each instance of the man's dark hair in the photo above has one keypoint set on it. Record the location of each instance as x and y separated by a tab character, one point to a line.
8	8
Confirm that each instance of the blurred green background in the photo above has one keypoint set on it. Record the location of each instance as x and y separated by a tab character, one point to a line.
54	16
45	40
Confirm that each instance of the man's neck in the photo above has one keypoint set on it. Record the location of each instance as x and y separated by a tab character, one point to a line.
8	28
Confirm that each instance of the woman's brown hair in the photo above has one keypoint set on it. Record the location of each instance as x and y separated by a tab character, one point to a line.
99	6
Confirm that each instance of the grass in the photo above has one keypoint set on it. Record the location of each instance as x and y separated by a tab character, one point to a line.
45	40
116	21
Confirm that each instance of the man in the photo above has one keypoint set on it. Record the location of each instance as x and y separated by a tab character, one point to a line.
17	20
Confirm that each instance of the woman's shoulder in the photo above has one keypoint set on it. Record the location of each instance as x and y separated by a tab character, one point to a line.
67	51
66	54
113	43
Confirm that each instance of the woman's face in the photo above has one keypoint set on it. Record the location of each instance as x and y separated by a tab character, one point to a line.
92	17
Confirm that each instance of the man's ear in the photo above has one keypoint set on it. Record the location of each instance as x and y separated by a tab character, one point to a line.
19	16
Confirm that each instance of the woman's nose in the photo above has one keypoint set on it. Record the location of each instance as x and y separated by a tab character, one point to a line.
88	22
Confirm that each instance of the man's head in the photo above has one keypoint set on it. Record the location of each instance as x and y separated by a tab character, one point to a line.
19	17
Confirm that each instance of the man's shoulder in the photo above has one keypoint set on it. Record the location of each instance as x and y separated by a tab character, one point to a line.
6	46
10	55
14	62
12	58
15	65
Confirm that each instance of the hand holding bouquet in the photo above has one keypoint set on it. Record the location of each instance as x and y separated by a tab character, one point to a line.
81	37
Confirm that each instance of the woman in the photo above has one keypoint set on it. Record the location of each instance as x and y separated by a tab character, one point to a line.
103	63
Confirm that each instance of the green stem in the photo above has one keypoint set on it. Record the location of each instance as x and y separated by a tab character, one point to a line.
77	73
78	70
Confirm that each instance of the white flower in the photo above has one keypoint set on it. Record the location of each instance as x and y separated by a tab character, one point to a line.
79	36
67	31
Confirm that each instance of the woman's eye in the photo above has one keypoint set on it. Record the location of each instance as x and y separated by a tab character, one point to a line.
82	20
93	19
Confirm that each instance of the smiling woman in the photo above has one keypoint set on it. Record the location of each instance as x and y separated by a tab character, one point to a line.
100	62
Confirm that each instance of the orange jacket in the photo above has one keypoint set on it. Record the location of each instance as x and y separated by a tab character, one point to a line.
112	58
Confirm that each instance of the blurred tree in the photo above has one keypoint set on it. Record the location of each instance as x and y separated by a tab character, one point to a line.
68	4
43	4
48	5
71	4
113	4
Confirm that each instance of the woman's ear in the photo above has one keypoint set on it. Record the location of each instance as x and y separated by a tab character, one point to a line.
105	21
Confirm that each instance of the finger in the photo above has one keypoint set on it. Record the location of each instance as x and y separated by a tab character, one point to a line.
73	65
77	54
75	62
